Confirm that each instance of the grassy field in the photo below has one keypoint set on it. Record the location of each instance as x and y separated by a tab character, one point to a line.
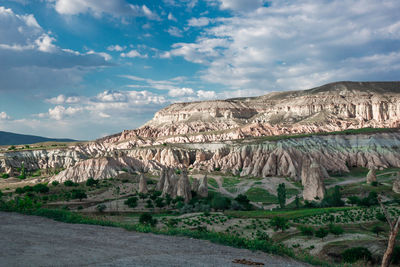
257	194
289	214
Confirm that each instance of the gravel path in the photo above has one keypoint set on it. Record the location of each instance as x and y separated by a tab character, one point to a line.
37	241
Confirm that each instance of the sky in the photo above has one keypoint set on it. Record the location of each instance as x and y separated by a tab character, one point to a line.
84	69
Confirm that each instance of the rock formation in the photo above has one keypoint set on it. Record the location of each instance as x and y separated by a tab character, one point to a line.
183	187
203	188
161	182
371	176
312	181
195	185
170	184
396	183
143	184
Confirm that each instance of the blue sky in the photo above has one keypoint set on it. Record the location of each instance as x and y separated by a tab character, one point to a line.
87	68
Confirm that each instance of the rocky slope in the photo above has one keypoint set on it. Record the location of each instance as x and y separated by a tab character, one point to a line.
209	136
332	107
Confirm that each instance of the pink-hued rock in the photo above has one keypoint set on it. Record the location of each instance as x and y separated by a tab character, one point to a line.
143	184
312	181
371	176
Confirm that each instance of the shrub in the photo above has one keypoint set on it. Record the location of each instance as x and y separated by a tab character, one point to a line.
1	194
70	183
353	200
336	229
279	223
131	202
220	203
91	182
381	217
374	183
243	201
55	183
159	202
282	195
352	255
321	233
396	255
307	231
78	194
376	230
101	207
40	188
149	204
5	175
147	219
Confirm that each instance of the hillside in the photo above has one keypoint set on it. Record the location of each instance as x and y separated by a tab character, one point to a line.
7	138
332	107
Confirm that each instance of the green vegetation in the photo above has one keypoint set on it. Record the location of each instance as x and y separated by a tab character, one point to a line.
352	255
55	183
70	183
131	202
5	175
212	182
147	219
91	182
282	195
321	233
280	223
257	194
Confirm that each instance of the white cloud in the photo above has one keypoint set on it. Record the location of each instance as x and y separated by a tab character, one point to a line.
171	17
4	116
45	43
133	53
206	94
115	8
297	44
176	92
174	31
199	22
117	48
30	59
104	55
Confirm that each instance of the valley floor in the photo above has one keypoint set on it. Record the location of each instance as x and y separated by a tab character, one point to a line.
35	241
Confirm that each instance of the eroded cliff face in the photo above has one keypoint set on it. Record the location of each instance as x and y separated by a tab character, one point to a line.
284	158
332	107
213	135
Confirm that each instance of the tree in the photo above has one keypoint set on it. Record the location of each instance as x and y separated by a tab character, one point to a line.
78	194
243	201
336	229
353	200
147	219
282	195
297	201
70	183
159	202
394	230
131	202
55	183
101	207
377	230
321	233
40	188
220	203
280	223
91	182
307	231
337	197
23	172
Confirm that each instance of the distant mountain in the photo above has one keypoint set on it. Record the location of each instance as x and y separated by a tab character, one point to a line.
7	138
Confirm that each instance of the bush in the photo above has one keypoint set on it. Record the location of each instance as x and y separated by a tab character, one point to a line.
377	230
307	231
101	207
381	217
352	255
353	200
282	195
321	233
78	194
336	229
147	219
41	188
131	202
280	223
371	200
1	194
374	183
159	202
55	183
243	201
91	182
70	183
396	255
5	175
220	203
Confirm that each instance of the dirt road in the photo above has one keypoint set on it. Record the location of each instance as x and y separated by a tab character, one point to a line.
36	241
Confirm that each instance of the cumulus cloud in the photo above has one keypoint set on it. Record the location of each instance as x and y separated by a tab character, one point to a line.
175	92
175	31
297	44
133	53
30	58
115	8
4	116
199	22
171	17
117	48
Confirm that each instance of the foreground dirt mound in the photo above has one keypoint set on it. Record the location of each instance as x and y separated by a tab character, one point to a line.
35	241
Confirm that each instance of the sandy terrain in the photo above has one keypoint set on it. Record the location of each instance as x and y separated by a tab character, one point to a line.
36	241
